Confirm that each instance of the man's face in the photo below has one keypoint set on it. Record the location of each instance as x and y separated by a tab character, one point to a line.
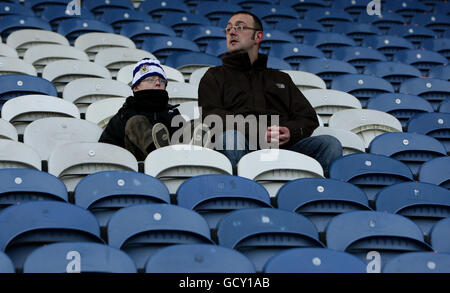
246	39
150	83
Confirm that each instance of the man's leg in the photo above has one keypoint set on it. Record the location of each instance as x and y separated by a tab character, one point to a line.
233	145
324	148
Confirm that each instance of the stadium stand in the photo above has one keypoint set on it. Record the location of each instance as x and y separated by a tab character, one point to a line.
351	142
436	171
419	263
438	239
15	154
8	131
432	124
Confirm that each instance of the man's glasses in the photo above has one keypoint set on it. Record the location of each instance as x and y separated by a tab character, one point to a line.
239	28
153	80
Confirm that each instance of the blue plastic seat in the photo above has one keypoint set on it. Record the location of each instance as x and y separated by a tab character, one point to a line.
179	21
78	257
433	90
74	27
15	9
216	10
439	236
262	232
357	31
198	258
299	27
277	63
14	85
361	86
100	7
249	4
187	62
407	8
273	14
216	47
33	224
104	193
401	106
444	107
437	21
272	37
353	7
440	72
384	22
54	14
141	230
303	6
203	35
388	45
328	17
374	237
213	196
39	5
414	34
6	265
328	41
163	46
370	172
394	72
139	31
314	260
436	171
294	54
440	45
157	9
423	60
419	263
423	203
118	17
321	199
327	69
10	23
21	185
359	57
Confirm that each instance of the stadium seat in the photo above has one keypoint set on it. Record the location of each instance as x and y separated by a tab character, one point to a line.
11	23
39	5
357	31
6	265
61	72
157	9
54	14
104	193
202	35
439	236
279	64
299	27
444	107
181	92
408	8
327	102
198	258
41	55
8	131
436	171
100	112
34	224
119	16
216	10
139	31
437	21
179	21
359	57
23	39
440	72
213	196
249	4
370	172
353	7
11	65
423	60
413	33
303	6
423	203
23	110
72	161
441	46
419	263
14	8
328	42
321	199
85	91
14	154
14	85
141	230
189	110
197	75
260	233
115	58
351	142
99	7
374	237
19	185
73	28
305	80
393	72
273	14
328	17
413	149
294	53
274	167
187	62
78	257
272	37
45	134
433	90
384	21
7	51
401	106
313	260
388	45
216	48
163	46
327	69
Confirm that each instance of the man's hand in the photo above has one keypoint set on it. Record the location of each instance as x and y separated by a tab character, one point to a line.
278	133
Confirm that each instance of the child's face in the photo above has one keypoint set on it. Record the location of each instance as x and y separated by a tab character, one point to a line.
150	83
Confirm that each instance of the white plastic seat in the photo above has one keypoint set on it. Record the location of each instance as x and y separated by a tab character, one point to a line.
7	130
125	74
175	163
173	74
365	123
11	65
85	91
23	110
306	80
93	42
72	161
116	58
274	167
47	133
327	102
41	55
102	111
61	72
351	142
21	40
189	110
14	154
8	51
180	92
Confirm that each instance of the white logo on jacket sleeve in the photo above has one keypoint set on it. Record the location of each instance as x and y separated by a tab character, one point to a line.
280	85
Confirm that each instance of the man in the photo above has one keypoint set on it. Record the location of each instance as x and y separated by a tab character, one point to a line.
144	121
243	85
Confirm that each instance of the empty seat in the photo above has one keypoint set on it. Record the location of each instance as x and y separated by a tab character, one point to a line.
159	8
436	171
351	142
11	23
99	7
203	34
216	47
419	263
274	36
328	42
260	233
408	8
78	257
305	80
439	236
295	53
353	7
357	31
413	33
440	72
433	90
437	21
386	20
6	265
73	28
181	92
12	65
14	8
187	62
327	69
370	172
100	112
216	10
142	230
299	28
374	237
117	17
54	14
163	46
72	161
444	107
328	17
303	6
273	14
432	124
413	149
359	57
314	260
274	167
179	21
23	39
8	51
388	45
393	72
423	60
14	154
139	31
7	130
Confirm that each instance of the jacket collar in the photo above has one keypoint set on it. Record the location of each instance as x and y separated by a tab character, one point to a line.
241	61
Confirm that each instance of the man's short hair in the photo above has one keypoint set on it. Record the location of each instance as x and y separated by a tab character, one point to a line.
256	21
